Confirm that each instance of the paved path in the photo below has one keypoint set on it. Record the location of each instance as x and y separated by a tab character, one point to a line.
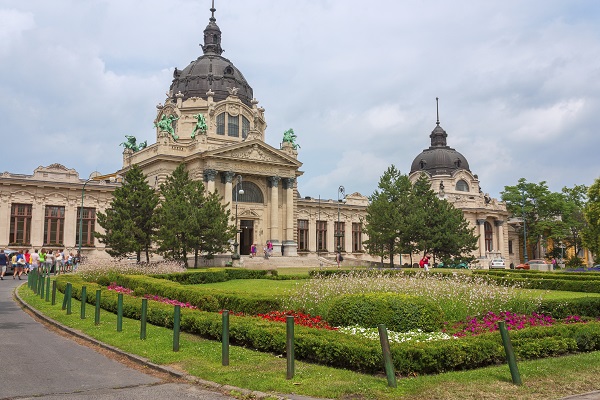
35	362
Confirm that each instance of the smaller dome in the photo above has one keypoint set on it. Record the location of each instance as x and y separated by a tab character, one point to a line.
439	158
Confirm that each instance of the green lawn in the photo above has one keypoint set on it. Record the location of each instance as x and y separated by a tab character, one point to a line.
542	379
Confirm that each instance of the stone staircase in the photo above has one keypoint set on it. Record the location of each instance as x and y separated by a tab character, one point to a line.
308	261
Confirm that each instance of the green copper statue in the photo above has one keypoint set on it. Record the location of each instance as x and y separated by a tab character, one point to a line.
200	127
290	137
166	125
131	144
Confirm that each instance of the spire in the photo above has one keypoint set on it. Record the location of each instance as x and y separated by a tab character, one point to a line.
212	35
438	135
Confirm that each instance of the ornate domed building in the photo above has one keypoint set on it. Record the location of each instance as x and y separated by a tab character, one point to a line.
450	176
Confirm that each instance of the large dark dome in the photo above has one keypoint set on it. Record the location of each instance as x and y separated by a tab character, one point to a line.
211	71
439	159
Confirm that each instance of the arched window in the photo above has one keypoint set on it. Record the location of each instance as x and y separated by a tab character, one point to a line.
231	125
489	236
462	186
252	193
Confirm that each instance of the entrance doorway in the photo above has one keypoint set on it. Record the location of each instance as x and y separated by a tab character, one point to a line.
246	236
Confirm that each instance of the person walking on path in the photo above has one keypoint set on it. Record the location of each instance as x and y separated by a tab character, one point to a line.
253	250
27	256
18	262
3	264
338	258
35	261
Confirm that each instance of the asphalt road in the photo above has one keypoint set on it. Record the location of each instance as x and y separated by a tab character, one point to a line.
36	362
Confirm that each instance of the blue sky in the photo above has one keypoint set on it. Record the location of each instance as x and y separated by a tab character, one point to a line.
518	82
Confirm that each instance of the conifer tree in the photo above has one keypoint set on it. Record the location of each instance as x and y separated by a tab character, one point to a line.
128	222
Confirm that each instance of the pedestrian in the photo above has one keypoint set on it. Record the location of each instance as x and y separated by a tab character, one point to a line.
3	264
339	258
266	251
253	250
42	256
27	256
35	260
18	262
60	265
50	262
424	263
270	248
554	263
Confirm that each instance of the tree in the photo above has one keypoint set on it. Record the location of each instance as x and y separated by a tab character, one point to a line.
539	208
129	221
591	211
190	221
404	219
441	229
388	216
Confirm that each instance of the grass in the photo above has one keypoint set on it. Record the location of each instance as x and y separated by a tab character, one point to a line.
542	379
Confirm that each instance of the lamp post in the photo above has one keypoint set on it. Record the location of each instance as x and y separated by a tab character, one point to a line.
81	218
236	254
341	199
525	258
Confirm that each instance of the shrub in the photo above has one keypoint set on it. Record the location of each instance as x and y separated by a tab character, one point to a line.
398	312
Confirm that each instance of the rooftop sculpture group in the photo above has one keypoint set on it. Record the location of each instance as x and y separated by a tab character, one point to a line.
130	144
290	137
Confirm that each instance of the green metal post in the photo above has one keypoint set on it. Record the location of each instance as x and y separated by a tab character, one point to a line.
69	297
29	280
387	356
225	338
42	286
144	318
289	346
176	326
48	288
97	314
120	312
34	285
83	301
510	354
64	303
53	292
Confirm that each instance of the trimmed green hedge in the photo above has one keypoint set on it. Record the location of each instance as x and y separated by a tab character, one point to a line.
399	312
570	282
355	353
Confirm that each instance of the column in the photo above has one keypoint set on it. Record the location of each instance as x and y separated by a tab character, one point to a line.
348	236
228	189
500	233
37	222
290	247
209	178
480	223
5	209
274	234
331	247
71	222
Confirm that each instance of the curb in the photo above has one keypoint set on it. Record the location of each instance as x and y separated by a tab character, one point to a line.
159	368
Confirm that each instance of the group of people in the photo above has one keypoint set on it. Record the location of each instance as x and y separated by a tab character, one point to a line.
267	250
44	261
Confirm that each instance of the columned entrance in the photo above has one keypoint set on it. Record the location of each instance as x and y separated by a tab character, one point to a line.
246	236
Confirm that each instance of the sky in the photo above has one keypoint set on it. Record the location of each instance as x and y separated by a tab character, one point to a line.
518	82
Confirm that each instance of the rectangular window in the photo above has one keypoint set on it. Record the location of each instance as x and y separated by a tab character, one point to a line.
221	124
20	224
303	234
321	235
356	237
245	127
54	225
510	247
233	126
339	236
88	223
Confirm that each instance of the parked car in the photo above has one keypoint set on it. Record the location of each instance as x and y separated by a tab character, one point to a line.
538	264
497	263
452	264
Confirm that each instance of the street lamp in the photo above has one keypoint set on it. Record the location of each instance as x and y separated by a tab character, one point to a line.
81	217
236	254
524	229
341	199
